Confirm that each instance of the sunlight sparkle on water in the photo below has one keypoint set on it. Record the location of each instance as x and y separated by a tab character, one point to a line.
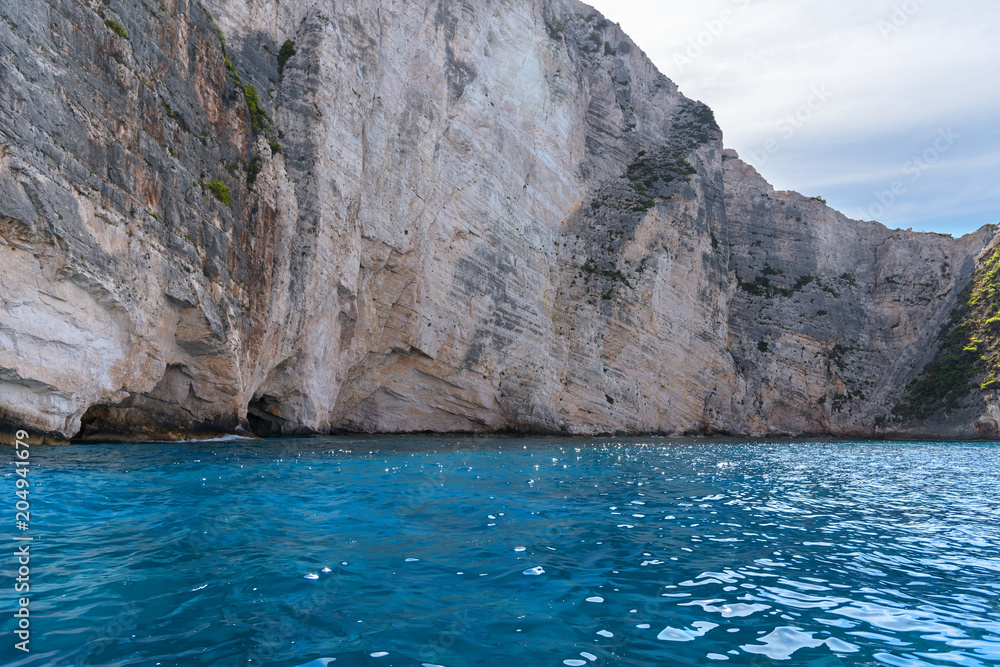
871	553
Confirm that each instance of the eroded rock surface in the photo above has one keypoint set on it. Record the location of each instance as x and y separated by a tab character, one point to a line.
456	216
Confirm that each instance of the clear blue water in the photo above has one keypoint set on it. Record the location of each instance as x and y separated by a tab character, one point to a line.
493	551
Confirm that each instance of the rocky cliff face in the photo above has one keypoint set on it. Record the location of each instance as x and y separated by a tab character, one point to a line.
457	216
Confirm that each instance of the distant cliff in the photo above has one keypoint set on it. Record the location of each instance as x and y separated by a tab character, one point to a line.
489	216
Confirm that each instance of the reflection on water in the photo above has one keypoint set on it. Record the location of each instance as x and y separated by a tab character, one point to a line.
492	551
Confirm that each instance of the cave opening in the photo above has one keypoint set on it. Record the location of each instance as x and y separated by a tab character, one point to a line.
263	417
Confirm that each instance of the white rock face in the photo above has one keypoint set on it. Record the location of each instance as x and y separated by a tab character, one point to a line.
484	216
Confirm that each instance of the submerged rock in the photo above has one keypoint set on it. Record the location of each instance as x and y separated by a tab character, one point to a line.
290	218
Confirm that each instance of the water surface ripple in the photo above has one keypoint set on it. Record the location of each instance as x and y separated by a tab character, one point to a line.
496	551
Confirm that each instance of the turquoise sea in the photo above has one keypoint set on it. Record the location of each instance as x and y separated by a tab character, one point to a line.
460	551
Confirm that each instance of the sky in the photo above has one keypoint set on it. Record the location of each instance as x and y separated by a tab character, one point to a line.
888	109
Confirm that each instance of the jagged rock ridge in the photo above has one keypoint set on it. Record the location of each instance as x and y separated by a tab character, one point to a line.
482	216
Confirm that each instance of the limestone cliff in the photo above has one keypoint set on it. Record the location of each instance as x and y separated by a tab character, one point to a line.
451	216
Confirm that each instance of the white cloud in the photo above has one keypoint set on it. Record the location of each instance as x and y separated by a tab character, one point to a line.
896	72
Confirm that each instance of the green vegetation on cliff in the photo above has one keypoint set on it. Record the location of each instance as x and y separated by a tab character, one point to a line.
286	52
260	120
969	358
116	27
219	189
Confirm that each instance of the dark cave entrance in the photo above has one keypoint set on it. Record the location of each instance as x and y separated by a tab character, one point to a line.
262	416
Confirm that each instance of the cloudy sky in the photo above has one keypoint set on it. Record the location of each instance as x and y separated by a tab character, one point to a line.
889	109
